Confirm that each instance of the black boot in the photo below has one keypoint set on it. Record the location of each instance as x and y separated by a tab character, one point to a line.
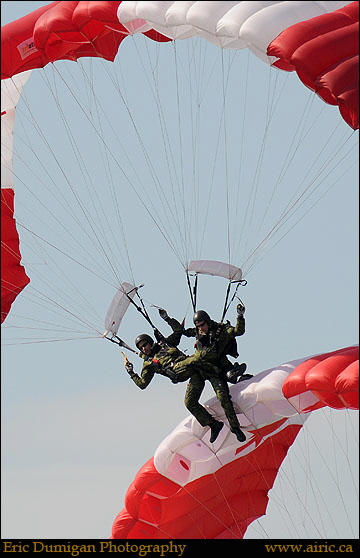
239	434
245	377
216	426
236	372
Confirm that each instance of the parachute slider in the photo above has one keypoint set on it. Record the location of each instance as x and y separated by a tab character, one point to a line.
218	269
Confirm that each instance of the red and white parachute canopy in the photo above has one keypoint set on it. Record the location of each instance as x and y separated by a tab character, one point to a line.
192	489
319	40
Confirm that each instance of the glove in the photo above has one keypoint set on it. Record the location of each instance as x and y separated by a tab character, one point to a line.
129	367
163	314
240	309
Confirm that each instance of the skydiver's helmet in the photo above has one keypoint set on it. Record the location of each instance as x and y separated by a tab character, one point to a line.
143	340
201	316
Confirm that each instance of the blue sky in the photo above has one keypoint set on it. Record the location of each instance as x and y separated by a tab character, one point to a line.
75	428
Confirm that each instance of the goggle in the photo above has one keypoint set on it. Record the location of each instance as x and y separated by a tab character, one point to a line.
143	345
200	324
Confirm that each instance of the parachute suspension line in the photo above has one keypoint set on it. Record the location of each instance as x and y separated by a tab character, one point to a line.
38	199
227	303
272	103
32	342
110	182
250	211
182	185
92	191
305	195
331	159
316	490
282	508
226	170
287	215
349	426
86	176
288	157
115	160
202	85
208	510
64	253
63	203
228	505
336	446
195	81
68	313
162	193
240	170
156	219
79	259
79	305
251	197
63	290
168	152
215	162
302	495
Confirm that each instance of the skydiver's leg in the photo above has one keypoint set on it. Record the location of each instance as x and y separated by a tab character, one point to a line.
223	394
184	368
193	392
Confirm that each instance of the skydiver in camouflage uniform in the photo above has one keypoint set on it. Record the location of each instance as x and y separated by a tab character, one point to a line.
214	342
160	356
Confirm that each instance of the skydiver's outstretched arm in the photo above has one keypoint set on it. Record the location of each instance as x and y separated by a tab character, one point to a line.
176	326
147	373
239	328
149	369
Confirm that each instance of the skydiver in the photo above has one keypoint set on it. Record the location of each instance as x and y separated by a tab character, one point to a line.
160	355
214	342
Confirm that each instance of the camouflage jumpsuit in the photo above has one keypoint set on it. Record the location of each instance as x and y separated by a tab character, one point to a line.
163	354
211	363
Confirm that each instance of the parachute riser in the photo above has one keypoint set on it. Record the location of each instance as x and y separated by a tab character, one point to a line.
115	339
212	267
192	290
143	311
228	304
